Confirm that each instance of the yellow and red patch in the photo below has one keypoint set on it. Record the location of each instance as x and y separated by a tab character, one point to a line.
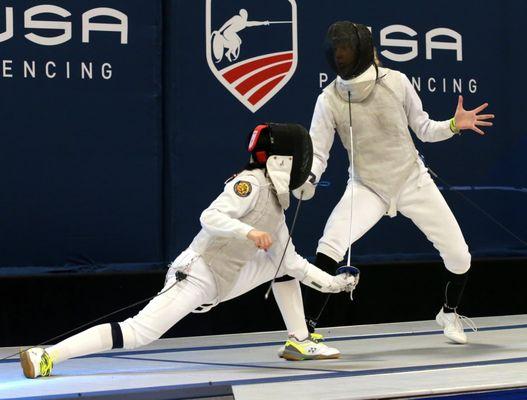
243	188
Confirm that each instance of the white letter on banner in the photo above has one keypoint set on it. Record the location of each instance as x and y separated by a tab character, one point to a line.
457	46
322	78
6	68
416	83
106	71
86	70
430	87
88	26
412	44
29	69
47	9
8	34
457	85
48	73
472	86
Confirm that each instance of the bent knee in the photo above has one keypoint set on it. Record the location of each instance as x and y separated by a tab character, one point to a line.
331	251
458	261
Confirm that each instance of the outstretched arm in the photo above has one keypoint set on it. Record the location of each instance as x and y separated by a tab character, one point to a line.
428	130
298	267
257	23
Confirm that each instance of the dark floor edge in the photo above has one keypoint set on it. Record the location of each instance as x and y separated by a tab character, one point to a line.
150	393
509	393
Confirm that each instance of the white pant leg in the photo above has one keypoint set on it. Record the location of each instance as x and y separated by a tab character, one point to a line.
151	322
165	310
92	340
368	209
422	202
287	294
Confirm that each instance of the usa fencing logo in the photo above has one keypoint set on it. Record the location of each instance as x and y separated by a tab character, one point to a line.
251	47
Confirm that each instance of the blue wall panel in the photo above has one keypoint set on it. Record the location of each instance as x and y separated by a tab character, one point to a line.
81	152
119	168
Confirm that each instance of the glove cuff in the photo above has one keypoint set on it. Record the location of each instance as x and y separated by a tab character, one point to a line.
453	126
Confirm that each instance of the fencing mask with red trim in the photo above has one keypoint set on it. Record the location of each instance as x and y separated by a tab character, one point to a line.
286	151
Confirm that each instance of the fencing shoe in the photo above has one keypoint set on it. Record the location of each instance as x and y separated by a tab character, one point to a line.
453	327
36	362
307	349
315	337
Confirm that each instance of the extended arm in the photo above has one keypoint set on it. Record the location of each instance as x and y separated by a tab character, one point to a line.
426	129
429	130
298	267
257	23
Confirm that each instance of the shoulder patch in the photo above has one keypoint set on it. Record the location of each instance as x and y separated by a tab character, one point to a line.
243	188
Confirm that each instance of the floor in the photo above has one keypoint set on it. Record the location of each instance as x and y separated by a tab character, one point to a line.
378	361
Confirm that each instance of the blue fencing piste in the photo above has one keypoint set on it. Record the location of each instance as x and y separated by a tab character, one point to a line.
122	119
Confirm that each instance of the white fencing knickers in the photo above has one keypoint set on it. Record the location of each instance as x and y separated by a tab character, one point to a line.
198	288
419	199
180	299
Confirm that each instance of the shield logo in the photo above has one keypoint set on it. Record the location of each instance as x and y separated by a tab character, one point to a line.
252	47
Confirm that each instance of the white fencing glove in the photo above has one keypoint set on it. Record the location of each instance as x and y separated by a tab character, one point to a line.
345	282
326	283
307	190
350	270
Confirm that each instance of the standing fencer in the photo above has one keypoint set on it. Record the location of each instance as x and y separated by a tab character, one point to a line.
242	241
375	106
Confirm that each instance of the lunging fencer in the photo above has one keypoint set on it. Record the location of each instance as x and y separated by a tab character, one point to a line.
371	108
240	246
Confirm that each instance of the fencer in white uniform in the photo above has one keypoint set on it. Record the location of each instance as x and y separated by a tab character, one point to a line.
388	175
240	246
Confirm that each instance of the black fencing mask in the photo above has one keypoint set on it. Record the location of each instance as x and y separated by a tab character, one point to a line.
349	49
286	151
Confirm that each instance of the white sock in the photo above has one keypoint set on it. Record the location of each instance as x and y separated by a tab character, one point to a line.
289	299
93	340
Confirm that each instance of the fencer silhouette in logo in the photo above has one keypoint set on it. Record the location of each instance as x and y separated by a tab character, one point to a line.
254	80
227	38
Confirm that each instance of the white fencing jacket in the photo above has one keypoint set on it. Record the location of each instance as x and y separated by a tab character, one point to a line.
249	202
383	151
